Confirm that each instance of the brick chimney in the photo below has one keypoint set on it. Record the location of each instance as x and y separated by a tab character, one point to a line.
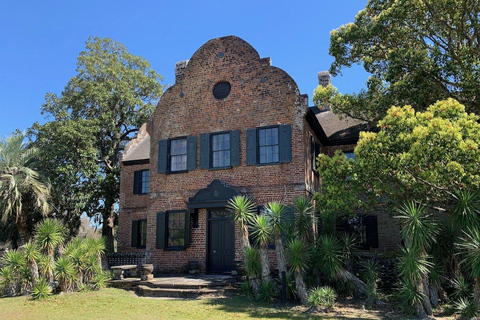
180	69
324	78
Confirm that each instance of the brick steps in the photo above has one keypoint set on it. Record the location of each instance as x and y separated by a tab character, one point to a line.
184	293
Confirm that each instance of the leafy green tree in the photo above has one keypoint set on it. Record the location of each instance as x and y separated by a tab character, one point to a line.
417	52
20	185
113	93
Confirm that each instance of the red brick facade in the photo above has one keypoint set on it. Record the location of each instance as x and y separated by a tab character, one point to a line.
261	95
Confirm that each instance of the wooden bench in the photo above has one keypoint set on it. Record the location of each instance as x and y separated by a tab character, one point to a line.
118	270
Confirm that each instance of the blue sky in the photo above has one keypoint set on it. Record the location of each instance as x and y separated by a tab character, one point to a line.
40	41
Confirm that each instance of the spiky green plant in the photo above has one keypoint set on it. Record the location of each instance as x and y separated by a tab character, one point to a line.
32	254
466	211
413	264
96	247
252	267
262	231
49	234
267	292
298	258
461	288
8	280
466	308
322	298
45	267
41	289
65	274
329	256
469	247
410	295
303	209
243	210
277	217
350	245
328	222
370	276
100	280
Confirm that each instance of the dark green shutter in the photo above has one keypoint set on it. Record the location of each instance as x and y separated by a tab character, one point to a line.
371	231
285	140
235	148
191	153
162	156
204	151
137	182
251	147
160	230
187	229
135	233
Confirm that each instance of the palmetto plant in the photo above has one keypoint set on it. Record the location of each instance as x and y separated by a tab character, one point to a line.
304	218
277	215
298	257
243	210
322	298
466	211
8	280
49	234
262	231
14	259
41	289
45	267
19	182
466	308
65	273
329	256
370	276
469	247
32	254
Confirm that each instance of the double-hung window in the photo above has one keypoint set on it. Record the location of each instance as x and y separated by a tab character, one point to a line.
178	155
141	181
173	230
220	146
139	233
268	145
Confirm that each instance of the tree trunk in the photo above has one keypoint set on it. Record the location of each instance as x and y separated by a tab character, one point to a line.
108	231
245	241
21	223
434	295
33	269
360	286
301	288
282	265
426	295
265	264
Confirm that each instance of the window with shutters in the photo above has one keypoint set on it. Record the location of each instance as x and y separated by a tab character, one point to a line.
268	145
173	230
220	146
178	155
139	233
141	181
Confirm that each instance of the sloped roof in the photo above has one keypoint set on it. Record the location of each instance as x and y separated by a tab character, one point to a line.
138	148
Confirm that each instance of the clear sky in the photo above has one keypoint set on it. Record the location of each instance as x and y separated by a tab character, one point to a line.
40	41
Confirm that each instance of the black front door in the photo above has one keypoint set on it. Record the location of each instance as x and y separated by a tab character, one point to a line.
221	241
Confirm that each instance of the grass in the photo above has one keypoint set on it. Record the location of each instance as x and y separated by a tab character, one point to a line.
118	304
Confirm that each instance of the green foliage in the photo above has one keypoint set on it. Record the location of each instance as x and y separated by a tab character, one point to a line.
262	230
466	211
276	213
413	263
322	298
45	266
20	185
8	280
99	281
65	273
462	288
409	295
469	247
49	234
14	259
303	209
251	262
370	276
421	156
41	290
298	255
100	109
329	256
31	252
246	289
267	292
416	52
466	308
243	209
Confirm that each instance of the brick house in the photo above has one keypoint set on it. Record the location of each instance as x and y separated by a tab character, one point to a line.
231	124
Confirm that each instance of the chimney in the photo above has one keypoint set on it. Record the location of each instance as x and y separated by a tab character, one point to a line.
324	78
180	69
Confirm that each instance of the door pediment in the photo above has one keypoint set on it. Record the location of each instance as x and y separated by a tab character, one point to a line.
215	195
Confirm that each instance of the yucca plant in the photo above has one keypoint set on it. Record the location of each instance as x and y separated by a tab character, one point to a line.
461	288
329	256
267	292
322	298
246	290
45	267
303	209
49	234
277	215
41	289
14	259
243	210
100	280
350	243
252	267
469	247
96	247
32	254
78	259
466	211
370	276
409	295
8	280
466	308
262	231
65	274
91	268
298	257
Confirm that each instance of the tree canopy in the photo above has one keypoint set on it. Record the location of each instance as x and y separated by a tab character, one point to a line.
417	52
101	108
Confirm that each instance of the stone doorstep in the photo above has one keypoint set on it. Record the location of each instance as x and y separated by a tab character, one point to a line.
178	293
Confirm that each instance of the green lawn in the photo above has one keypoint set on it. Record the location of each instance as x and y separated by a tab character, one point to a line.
119	304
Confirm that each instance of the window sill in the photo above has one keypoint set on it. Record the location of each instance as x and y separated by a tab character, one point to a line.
268	164
175	172
140	194
220	168
175	249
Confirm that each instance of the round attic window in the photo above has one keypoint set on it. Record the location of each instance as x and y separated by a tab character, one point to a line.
221	90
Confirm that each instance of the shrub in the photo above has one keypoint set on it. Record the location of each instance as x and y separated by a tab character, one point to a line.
246	289
41	289
65	273
100	280
8	280
267	292
466	308
322	298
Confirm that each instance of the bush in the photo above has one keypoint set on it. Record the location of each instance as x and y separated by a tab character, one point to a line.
41	289
246	289
268	292
322	298
100	280
466	308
